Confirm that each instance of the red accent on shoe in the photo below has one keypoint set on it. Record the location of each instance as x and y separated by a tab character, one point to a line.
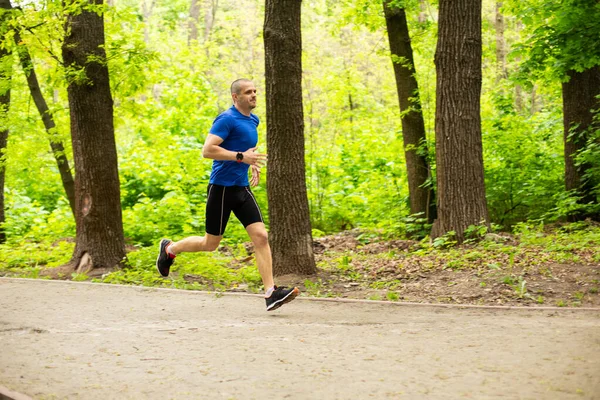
171	255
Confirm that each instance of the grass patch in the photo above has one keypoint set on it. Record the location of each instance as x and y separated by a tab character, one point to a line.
511	269
199	271
26	259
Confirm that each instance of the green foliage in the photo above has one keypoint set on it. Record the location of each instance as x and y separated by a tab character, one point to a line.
519	284
26	218
206	271
79	277
575	236
559	36
147	221
392	296
523	164
317	288
416	226
25	258
474	233
445	241
167	92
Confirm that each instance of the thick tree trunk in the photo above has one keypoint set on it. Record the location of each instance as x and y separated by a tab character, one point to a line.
99	242
57	147
579	99
290	236
459	153
422	199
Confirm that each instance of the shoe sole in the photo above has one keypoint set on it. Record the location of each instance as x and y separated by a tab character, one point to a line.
158	258
291	296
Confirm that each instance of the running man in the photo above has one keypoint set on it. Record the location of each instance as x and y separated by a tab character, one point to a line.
231	143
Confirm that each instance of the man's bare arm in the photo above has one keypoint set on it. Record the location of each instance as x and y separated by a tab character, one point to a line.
214	151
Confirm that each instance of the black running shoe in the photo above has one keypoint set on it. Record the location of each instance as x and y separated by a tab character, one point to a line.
280	296
164	260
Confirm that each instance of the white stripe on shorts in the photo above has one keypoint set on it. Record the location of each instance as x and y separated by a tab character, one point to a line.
257	207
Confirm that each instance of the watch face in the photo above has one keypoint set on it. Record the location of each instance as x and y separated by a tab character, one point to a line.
239	156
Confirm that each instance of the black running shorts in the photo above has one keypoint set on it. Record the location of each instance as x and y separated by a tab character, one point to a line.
222	200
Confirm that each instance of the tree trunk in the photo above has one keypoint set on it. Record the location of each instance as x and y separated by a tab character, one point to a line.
146	14
459	153
579	99
518	88
99	243
422	11
501	72
5	76
209	18
290	236
422	199
193	24
536	100
57	147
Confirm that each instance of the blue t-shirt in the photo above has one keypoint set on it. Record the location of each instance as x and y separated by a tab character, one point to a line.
239	133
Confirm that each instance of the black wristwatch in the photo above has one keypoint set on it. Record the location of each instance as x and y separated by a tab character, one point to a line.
239	157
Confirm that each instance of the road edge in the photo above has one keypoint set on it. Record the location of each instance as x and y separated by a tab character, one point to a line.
301	298
7	394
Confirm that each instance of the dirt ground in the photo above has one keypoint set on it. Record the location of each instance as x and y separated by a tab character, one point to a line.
393	270
73	340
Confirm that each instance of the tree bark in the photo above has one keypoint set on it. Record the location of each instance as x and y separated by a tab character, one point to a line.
146	14
99	242
57	147
422	11
536	100
290	236
518	88
459	153
579	99
501	72
422	199
209	18
5	75
193	23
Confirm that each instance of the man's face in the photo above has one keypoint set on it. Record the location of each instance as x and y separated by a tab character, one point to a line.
246	99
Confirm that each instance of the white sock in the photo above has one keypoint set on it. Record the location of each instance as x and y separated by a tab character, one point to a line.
168	249
269	292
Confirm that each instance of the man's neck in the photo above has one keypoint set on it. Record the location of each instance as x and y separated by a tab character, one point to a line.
244	112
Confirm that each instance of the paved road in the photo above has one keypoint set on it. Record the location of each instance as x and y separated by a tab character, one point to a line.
67	340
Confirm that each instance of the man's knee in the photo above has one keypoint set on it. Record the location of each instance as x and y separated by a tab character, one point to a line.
211	243
260	238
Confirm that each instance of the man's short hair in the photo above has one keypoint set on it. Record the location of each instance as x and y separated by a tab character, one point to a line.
236	86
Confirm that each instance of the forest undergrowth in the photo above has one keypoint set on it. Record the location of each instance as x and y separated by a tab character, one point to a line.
536	265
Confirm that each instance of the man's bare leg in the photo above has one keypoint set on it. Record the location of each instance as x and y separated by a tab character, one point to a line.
264	261
168	249
274	298
195	244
